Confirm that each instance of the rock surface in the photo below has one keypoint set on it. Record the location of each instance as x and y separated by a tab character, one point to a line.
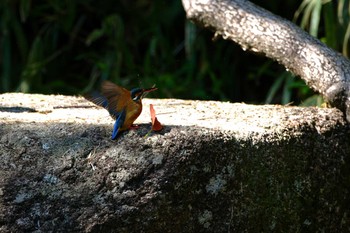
215	167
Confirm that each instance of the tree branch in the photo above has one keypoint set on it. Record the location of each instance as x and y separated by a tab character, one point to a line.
256	29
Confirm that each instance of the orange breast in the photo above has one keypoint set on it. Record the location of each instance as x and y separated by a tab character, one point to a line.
133	111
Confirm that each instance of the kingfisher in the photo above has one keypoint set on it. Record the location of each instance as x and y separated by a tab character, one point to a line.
124	106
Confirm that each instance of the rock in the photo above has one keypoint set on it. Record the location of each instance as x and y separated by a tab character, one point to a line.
215	167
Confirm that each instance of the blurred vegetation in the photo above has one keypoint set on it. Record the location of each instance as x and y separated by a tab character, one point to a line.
62	46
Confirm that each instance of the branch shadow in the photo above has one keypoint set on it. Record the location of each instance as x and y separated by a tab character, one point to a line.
17	109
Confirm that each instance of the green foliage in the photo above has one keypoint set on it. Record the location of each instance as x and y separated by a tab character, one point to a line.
328	20
68	47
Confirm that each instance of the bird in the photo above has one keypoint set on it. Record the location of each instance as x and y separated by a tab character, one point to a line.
124	106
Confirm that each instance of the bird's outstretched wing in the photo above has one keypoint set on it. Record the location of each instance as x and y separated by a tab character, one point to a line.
97	99
117	97
112	97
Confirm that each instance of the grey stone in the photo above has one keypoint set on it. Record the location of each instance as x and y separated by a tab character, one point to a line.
215	167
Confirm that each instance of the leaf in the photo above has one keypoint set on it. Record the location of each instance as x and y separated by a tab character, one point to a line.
94	35
156	125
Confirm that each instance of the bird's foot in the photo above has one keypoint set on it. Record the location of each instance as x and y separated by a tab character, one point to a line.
134	127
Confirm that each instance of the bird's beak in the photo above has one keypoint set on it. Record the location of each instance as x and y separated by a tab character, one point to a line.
148	90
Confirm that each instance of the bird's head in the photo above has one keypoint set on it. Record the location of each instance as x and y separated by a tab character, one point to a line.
139	93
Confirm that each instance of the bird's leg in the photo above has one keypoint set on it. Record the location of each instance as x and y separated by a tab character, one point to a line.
134	126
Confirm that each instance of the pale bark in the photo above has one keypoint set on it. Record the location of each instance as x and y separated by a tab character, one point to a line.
256	29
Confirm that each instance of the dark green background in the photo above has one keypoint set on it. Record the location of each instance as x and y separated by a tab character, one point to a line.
67	47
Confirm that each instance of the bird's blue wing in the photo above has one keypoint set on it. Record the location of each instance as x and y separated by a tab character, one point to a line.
97	99
118	124
102	101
